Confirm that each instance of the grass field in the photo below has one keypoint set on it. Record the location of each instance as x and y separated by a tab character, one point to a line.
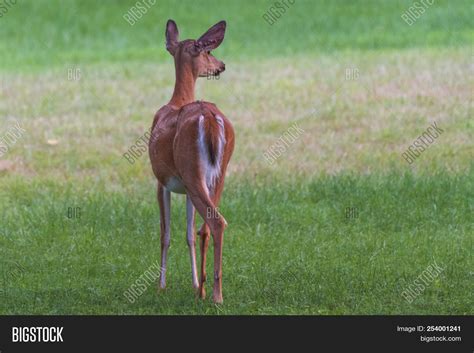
360	82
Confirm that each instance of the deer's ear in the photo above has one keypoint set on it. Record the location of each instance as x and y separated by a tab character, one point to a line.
212	38
172	36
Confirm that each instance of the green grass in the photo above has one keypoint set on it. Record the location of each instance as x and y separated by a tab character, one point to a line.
337	265
71	31
289	248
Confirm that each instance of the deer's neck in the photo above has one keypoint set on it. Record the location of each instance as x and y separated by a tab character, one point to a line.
184	87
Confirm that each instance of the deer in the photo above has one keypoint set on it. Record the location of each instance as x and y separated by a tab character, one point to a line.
190	147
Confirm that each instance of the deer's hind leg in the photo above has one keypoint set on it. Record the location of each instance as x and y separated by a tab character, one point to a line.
216	224
204	233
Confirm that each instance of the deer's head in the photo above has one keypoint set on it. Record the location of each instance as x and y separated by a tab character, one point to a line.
196	54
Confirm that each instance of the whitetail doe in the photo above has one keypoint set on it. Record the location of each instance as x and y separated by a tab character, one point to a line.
190	146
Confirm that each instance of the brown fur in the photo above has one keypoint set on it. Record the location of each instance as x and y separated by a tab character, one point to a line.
173	147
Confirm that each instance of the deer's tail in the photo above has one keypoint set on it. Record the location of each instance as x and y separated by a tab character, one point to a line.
211	143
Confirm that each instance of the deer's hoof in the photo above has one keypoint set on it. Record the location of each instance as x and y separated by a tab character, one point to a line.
202	292
217	299
161	287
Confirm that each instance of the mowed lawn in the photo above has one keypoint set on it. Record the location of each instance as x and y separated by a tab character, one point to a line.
290	248
340	223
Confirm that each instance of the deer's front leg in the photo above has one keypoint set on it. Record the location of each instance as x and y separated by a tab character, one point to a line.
164	201
191	238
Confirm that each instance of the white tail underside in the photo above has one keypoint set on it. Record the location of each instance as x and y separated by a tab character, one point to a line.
211	172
